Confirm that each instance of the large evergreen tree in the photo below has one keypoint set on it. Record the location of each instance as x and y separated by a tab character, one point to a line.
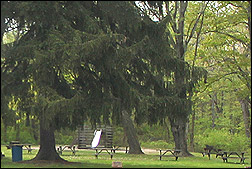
82	60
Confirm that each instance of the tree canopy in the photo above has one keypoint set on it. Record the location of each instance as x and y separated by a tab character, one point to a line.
71	61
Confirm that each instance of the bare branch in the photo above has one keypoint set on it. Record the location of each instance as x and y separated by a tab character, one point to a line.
196	23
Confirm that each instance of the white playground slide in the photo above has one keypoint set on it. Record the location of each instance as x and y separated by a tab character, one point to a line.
96	138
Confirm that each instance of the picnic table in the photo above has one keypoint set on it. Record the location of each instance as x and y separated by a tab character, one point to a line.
110	151
233	154
28	147
17	143
114	148
208	150
175	153
71	147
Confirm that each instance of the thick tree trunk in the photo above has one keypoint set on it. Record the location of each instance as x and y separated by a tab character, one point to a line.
245	112
47	149
130	131
178	126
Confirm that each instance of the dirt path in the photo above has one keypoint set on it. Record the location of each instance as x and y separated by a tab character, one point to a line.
145	150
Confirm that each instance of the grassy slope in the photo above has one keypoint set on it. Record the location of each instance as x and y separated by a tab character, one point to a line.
87	159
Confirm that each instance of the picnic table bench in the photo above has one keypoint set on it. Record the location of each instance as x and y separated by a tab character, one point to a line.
233	155
175	153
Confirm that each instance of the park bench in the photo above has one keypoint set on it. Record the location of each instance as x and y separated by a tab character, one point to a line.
233	154
174	153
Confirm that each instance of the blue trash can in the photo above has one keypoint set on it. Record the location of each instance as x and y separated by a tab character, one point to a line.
17	153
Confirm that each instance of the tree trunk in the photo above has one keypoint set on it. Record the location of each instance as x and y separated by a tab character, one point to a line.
130	131
213	110
47	149
178	126
245	112
192	132
179	122
169	137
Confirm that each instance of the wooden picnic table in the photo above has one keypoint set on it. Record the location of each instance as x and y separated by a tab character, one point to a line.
233	154
110	151
16	143
114	148
175	153
72	148
28	147
208	150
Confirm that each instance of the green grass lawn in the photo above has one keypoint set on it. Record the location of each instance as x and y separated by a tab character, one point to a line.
86	159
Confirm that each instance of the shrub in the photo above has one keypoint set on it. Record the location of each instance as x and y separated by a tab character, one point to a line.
26	136
64	136
221	139
160	144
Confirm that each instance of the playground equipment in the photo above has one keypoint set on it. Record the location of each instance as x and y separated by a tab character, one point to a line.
96	140
87	139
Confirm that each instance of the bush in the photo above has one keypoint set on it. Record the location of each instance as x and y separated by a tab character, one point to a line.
160	144
26	136
119	138
222	139
65	136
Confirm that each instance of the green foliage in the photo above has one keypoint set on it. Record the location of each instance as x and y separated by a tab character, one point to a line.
25	135
93	59
160	144
147	133
64	136
222	139
119	137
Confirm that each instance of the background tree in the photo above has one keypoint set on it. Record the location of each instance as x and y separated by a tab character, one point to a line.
182	78
225	51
